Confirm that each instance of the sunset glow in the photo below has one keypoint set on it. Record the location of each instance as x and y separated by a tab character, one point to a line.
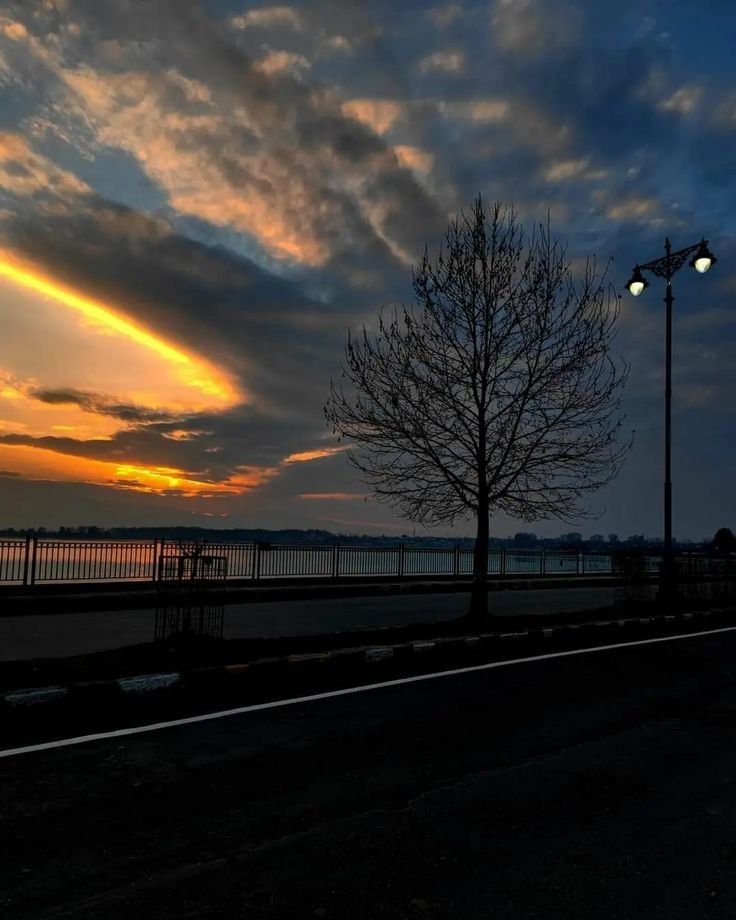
37	463
219	388
317	454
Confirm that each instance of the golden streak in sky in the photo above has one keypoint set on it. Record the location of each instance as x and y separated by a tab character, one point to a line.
40	463
317	454
195	372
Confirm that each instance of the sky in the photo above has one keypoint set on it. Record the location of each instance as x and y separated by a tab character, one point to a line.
199	199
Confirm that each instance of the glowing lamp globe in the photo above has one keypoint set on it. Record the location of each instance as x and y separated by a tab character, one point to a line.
703	259
637	282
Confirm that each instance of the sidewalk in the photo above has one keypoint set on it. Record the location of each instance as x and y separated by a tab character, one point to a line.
31	636
70	597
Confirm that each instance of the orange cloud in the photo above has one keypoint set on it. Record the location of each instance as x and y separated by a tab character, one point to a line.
379	114
127	112
13	30
24	172
282	62
317	454
40	463
414	158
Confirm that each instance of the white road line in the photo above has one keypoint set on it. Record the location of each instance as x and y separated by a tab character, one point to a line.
276	704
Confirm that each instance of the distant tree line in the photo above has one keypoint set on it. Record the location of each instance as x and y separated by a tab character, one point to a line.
724	540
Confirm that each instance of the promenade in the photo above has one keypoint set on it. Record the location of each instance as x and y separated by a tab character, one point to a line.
62	635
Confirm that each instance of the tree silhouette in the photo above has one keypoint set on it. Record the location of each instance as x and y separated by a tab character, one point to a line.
724	541
496	392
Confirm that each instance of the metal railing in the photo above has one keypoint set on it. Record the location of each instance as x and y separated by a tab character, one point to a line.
61	560
40	560
14	560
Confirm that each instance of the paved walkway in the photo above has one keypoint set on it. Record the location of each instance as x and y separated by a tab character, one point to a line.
62	635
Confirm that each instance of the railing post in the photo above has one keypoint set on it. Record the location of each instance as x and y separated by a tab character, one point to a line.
401	561
154	567
27	559
335	560
503	561
256	560
580	556
542	563
456	561
32	571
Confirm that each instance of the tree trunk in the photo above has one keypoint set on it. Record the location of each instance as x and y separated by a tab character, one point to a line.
478	610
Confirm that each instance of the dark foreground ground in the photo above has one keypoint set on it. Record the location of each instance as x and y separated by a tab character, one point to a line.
599	785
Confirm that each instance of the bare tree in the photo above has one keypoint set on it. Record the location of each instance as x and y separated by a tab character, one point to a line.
497	392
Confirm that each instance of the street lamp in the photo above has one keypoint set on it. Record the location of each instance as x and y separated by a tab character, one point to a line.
666	267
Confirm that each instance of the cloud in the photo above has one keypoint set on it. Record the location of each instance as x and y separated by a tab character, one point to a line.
380	115
336	43
268	16
199	374
516	122
25	173
182	434
42	459
244	145
684	100
446	62
15	31
282	62
565	170
444	16
642	210
102	405
534	27
318	454
414	158
479	111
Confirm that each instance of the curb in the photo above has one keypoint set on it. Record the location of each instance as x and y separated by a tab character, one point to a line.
147	683
369	658
34	696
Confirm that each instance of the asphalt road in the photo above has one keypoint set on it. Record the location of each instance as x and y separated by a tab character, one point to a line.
597	785
62	635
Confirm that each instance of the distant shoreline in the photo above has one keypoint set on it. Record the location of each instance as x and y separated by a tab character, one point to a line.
327	538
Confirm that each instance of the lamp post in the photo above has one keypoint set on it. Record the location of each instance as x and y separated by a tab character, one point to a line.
702	259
